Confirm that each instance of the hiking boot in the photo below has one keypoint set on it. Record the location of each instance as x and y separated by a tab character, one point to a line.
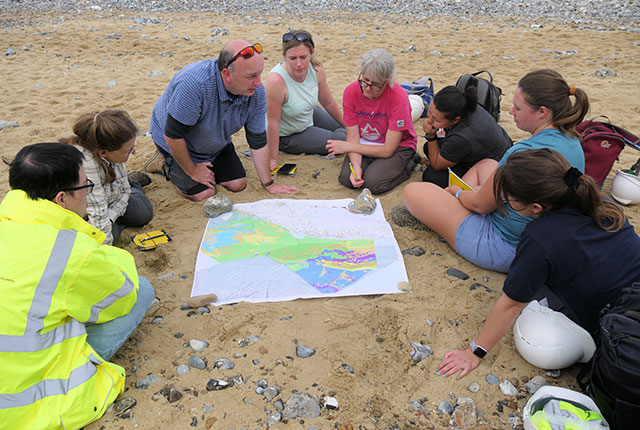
413	162
140	177
154	164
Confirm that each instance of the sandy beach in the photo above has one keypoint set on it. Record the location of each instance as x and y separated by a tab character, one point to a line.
65	65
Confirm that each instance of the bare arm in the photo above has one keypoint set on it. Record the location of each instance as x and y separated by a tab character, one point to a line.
276	91
198	172
502	315
435	159
325	97
261	161
385	150
481	201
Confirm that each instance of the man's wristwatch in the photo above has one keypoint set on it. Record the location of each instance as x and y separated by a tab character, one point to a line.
477	350
268	184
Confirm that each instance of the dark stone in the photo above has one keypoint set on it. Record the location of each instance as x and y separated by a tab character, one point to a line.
401	216
457	273
416	250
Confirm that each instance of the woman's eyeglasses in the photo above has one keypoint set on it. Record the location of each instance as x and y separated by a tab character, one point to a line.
246	53
300	37
89	185
373	85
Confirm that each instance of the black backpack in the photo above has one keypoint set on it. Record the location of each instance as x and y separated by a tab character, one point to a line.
614	369
489	95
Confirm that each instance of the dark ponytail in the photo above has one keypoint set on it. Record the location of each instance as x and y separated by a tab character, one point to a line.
545	177
453	103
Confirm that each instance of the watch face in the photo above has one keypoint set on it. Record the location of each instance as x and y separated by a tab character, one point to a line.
479	352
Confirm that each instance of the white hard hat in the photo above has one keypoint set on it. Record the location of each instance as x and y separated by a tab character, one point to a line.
625	188
549	340
533	404
417	106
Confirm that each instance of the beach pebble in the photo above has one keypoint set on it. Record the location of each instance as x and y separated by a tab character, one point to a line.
420	352
445	407
515	420
111	84
203	310
10	52
605	73
279	405
363	204
347	368
182	369
301	405
115	36
429	323
124	405
155	73
146	382
404	286
474	387
553	373
535	384
464	415
217	205
271	393
421	405
457	273
223	364
156	320
199	301
491	379
304	351
198	345
163	277
218	384
330	403
171	393
416	250
508	389
219	31
197	362
437	53
194	420
7	124
275	418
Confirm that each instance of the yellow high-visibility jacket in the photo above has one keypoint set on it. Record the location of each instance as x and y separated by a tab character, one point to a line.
55	276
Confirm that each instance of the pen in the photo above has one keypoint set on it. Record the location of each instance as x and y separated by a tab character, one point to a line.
353	172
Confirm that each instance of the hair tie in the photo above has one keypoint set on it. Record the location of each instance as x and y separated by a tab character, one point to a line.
95	116
572	91
572	178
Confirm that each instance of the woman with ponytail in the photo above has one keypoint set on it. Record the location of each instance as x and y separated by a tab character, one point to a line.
579	253
107	139
459	134
543	105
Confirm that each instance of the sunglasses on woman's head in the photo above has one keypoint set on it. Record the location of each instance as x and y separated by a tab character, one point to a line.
300	37
246	53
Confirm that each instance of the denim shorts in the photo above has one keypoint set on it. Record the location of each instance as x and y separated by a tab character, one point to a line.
478	242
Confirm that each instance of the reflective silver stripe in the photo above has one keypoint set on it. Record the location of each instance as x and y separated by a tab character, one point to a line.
38	342
121	292
33	339
49	387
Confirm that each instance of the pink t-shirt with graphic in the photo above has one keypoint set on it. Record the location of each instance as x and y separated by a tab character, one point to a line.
390	111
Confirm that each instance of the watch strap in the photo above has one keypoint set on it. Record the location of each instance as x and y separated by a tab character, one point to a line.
478	350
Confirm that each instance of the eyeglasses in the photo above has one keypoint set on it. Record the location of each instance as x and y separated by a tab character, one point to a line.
89	185
246	53
375	86
300	37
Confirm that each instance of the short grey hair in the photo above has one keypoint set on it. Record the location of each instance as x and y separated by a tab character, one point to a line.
378	65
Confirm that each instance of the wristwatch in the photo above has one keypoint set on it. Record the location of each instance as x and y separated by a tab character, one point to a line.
431	139
477	350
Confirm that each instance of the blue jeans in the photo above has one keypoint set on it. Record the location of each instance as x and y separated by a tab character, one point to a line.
107	338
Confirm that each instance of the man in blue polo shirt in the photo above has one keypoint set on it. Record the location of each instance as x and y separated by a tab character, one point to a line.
203	106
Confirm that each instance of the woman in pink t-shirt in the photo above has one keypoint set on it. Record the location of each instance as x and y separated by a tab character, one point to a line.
381	140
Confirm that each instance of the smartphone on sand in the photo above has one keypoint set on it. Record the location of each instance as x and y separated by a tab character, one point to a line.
287	169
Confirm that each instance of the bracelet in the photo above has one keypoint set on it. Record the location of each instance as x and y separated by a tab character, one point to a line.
268	184
431	139
457	193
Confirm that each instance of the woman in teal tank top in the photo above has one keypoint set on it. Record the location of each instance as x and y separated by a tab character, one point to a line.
295	122
542	106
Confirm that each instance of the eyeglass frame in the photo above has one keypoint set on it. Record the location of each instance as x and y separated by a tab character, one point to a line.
255	48
299	36
374	85
89	185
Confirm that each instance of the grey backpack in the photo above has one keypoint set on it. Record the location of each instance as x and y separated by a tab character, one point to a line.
488	94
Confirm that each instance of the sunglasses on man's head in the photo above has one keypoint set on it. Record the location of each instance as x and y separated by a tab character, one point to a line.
300	37
246	53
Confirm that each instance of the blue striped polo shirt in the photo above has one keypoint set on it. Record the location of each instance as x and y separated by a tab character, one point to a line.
197	97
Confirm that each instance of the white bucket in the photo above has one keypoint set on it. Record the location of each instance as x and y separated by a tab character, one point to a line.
625	188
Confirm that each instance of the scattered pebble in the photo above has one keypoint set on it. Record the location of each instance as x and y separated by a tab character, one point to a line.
535	384
217	205
420	352
416	250
111	84
218	384
199	301
445	407
146	382
348	368
198	345
553	373
203	310
304	351
301	405
197	362
7	124
156	320
474	387
508	389
491	379
457	273
605	73
124	405
223	364
271	393
330	403
401	217
182	369
404	286
464	416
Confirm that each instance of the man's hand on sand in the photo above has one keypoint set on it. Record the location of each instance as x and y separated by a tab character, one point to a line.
204	175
